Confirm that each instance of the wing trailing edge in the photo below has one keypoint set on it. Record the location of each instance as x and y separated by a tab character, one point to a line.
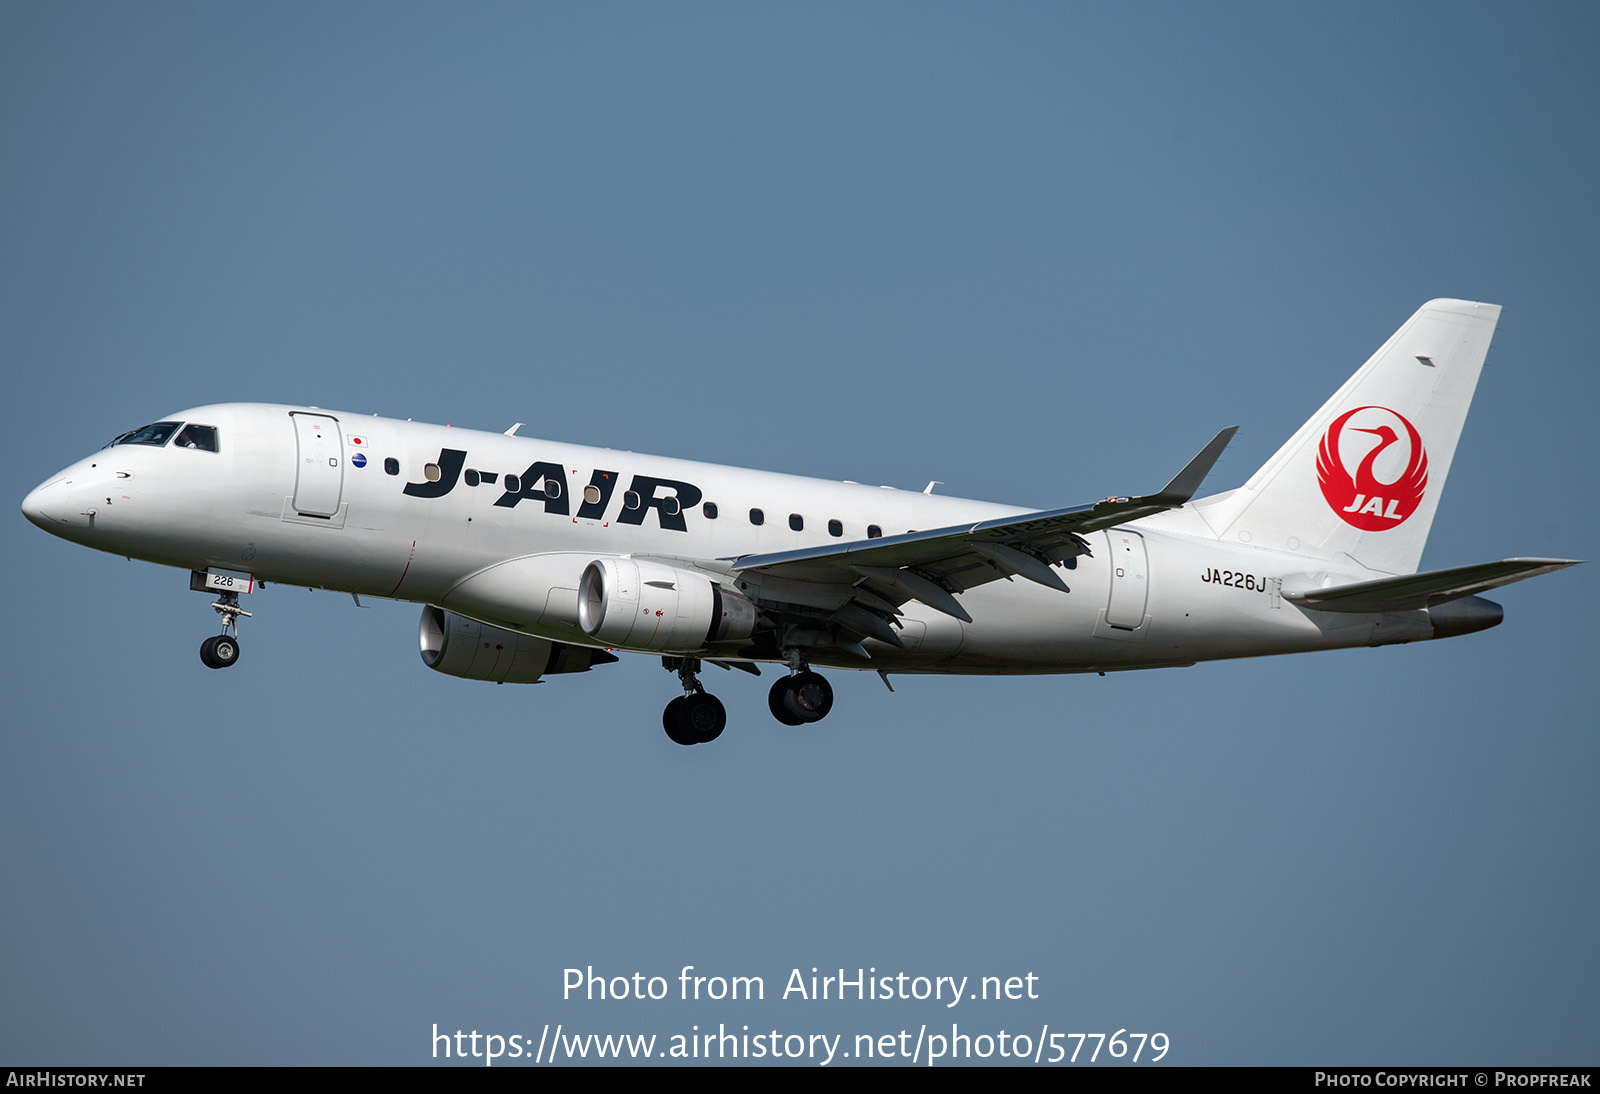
1046	531
933	566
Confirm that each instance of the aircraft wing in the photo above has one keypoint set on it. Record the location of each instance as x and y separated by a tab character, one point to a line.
931	565
1393	594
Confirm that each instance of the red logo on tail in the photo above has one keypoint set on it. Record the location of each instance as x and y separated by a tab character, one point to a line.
1361	500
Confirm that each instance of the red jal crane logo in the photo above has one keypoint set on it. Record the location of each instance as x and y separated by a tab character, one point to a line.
1362	500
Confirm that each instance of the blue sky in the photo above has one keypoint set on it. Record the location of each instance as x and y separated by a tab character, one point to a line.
1040	252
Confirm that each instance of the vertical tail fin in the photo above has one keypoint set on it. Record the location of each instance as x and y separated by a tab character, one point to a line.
1363	476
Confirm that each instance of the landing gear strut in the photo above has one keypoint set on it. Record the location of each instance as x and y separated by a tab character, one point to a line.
695	717
222	650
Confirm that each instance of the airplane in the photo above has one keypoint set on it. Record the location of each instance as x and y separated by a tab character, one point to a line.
537	558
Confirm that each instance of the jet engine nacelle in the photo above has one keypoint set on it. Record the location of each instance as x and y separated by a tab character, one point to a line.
643	605
458	646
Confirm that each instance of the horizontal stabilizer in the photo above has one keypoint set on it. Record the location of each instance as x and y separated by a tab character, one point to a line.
1395	594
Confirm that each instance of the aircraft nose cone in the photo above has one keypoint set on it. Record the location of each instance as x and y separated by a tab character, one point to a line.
42	506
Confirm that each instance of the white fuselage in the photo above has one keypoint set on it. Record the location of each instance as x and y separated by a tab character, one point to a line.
301	496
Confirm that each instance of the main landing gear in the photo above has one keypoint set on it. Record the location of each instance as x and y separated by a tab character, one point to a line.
801	698
222	650
696	717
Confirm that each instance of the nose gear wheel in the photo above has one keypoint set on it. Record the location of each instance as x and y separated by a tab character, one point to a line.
219	651
222	650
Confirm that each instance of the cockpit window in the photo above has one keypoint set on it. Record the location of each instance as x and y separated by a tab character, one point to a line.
155	435
203	437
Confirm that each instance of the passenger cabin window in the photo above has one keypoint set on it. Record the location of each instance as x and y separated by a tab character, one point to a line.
796	521
470	477
710	510
203	437
632	500
154	435
874	532
391	466
757	517
552	488
835	528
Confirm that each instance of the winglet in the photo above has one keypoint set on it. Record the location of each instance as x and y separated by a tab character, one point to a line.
1187	481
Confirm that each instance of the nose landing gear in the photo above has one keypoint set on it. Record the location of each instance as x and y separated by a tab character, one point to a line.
222	650
219	651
